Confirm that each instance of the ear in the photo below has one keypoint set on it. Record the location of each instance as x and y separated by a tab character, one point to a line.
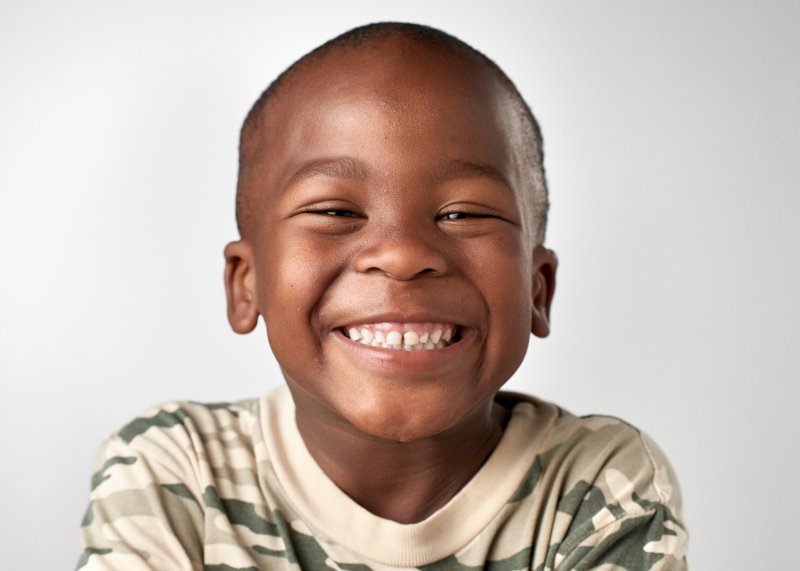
240	286
545	264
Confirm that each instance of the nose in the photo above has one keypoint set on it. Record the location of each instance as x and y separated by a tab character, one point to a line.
401	256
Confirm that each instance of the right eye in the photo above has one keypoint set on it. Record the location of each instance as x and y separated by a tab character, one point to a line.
335	212
331	209
331	217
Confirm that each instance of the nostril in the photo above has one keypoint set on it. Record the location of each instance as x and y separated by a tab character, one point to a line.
401	260
407	277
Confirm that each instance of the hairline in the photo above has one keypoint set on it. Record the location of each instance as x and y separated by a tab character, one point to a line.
537	204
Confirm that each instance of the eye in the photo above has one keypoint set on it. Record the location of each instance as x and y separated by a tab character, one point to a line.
331	209
336	212
463	215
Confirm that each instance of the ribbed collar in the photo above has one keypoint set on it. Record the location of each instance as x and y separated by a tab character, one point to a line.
334	515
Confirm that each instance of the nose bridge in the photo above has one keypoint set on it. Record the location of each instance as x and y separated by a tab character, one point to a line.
401	250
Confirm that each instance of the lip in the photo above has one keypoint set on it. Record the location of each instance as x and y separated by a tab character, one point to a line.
399	361
401	317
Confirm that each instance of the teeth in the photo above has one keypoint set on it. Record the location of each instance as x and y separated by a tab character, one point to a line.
394	338
401	336
410	339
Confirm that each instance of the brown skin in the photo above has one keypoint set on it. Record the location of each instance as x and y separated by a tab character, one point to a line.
367	151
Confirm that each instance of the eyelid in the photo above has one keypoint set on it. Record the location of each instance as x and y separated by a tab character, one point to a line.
466	211
333	208
444	216
334	212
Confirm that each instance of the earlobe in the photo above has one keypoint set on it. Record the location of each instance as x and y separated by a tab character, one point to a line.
545	264
240	287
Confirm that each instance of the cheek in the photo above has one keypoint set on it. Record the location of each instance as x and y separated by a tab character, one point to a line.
507	291
292	279
504	274
291	270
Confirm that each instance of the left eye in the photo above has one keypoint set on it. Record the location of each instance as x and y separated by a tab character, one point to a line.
462	215
337	212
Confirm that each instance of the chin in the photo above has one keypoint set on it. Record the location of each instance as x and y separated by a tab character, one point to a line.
403	422
402	433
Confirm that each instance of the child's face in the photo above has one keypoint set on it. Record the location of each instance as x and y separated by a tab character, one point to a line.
392	201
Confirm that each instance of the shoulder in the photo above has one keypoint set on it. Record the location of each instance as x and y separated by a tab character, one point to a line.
170	442
155	478
609	491
179	420
187	416
600	448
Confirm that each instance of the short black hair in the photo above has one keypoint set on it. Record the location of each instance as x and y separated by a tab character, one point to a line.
417	33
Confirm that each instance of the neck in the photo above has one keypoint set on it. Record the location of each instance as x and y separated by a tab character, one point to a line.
402	481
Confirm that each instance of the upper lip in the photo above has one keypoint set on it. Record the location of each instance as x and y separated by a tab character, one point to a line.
400	317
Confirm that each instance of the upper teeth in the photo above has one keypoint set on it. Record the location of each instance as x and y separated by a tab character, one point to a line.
407	336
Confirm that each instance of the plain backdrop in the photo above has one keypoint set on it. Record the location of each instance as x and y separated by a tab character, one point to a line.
671	135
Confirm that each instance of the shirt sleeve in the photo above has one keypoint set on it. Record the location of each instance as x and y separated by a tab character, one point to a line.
639	526
652	541
144	513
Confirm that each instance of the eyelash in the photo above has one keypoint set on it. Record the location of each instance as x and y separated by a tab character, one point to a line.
326	211
446	217
340	212
462	215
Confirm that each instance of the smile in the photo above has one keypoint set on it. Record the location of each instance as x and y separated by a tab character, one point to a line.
403	336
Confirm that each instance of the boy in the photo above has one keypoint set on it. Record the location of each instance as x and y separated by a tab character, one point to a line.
392	206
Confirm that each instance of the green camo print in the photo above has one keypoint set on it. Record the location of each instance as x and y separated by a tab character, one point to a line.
100	476
211	501
141	425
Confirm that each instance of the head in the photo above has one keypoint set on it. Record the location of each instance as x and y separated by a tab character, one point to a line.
529	144
391	181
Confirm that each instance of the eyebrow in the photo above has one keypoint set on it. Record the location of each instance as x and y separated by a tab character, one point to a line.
338	167
456	169
352	168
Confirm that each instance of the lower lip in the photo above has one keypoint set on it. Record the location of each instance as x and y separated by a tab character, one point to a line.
402	361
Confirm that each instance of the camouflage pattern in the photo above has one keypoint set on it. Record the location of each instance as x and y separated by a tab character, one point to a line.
210	487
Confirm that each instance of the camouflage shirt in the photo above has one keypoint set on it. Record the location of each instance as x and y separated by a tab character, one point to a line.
227	487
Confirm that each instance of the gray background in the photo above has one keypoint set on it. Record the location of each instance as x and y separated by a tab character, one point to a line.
671	146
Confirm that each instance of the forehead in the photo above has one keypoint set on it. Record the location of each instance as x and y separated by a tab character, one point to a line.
398	107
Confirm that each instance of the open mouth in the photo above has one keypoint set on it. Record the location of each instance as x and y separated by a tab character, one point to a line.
404	336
